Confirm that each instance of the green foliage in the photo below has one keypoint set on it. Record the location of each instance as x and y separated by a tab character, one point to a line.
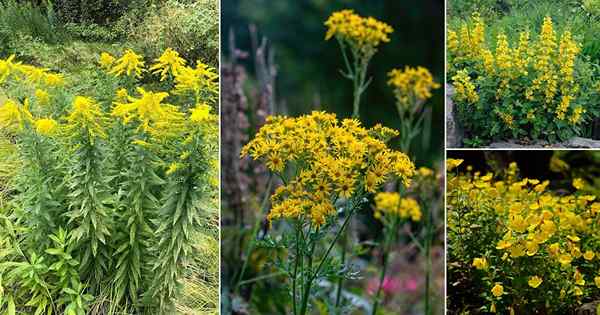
87	219
26	18
189	28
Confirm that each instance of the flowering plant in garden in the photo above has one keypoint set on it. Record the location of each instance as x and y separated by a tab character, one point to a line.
525	247
359	38
327	166
534	87
113	190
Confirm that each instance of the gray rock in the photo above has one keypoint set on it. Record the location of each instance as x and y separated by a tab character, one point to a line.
453	133
578	142
588	308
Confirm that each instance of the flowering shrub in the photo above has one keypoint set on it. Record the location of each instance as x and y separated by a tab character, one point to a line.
113	190
539	87
525	247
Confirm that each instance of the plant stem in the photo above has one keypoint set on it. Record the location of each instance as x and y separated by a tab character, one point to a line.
296	269
338	297
254	231
310	279
428	241
383	270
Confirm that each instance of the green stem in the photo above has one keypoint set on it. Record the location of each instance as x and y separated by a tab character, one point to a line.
253	235
428	241
338	297
383	269
310	279
294	285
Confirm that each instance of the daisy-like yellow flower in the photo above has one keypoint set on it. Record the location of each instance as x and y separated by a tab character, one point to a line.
452	164
42	97
169	61
497	290
480	263
588	255
129	64
578	183
534	281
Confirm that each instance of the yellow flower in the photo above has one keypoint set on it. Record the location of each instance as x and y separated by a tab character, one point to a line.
106	60
362	33
202	79
333	159
464	88
390	203
42	97
565	259
14	116
149	111
497	290
86	116
534	281
412	86
130	64
452	164
173	167
577	291
480	263
588	255
578	183
168	62
6	67
46	126
200	113
597	281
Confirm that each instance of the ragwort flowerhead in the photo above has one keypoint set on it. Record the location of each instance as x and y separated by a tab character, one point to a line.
333	160
412	84
129	64
46	126
364	34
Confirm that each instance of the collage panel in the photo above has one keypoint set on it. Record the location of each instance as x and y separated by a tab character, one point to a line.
332	157
522	232
109	149
523	74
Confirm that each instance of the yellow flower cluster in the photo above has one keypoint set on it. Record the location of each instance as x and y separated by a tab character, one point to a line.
412	84
391	205
169	62
87	116
201	81
28	73
332	160
464	88
14	116
364	34
548	63
533	223
152	115
129	64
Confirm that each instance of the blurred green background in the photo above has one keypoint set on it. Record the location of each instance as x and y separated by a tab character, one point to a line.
308	66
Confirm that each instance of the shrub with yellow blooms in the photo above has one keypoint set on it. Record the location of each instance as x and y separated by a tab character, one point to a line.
538	86
114	188
521	246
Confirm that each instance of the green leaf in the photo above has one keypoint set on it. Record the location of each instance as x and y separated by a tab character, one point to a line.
11	306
